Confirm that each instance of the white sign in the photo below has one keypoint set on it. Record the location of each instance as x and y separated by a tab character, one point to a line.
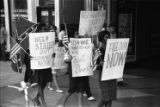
41	49
114	60
58	62
91	22
81	52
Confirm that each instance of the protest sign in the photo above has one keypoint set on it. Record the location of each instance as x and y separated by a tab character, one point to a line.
58	62
81	52
91	22
114	59
41	47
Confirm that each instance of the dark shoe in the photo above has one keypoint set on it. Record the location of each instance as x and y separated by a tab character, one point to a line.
121	84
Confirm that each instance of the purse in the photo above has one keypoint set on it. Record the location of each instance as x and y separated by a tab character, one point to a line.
67	57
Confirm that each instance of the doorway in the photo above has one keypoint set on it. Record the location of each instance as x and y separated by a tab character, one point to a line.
46	15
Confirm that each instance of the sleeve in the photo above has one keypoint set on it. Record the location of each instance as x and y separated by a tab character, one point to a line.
61	35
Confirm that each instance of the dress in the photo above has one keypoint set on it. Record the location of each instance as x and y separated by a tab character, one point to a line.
109	87
43	76
76	84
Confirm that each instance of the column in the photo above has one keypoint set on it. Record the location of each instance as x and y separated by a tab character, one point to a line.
32	14
7	22
88	4
57	13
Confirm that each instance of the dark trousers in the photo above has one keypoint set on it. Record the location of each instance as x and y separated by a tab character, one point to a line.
87	87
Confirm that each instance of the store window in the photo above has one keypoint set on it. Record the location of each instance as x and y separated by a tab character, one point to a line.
20	8
2	11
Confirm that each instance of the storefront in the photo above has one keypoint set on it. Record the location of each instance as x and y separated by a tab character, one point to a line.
68	11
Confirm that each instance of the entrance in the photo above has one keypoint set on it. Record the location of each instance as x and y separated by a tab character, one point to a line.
46	15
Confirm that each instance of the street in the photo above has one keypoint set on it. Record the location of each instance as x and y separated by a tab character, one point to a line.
140	91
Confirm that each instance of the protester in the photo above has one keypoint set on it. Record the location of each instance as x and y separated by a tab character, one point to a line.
87	90
108	88
112	30
61	35
3	40
54	71
76	84
42	76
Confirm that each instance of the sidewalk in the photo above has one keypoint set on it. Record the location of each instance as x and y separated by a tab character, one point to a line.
139	91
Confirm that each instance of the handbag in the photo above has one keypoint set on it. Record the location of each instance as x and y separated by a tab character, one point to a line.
67	57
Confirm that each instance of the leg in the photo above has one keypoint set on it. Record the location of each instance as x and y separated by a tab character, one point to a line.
64	99
42	95
87	90
79	99
108	103
101	103
56	82
50	86
36	99
26	78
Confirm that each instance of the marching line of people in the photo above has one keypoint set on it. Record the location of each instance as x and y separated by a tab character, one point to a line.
46	77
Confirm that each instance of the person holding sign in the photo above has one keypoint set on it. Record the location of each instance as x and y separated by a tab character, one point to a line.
76	84
109	87
112	30
43	77
53	28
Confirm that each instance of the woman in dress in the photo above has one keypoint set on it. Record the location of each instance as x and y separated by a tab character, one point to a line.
76	85
108	88
42	77
54	71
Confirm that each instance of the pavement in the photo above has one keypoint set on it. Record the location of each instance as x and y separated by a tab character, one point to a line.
140	90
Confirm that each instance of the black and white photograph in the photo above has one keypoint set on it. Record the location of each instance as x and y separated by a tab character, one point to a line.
79	53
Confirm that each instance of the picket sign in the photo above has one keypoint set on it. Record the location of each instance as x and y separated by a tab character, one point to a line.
81	50
91	22
41	47
114	60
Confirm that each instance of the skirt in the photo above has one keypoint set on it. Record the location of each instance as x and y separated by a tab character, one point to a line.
108	89
43	76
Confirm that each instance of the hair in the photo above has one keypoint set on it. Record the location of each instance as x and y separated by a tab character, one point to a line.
111	25
62	27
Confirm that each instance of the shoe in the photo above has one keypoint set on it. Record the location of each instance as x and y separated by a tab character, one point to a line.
50	88
121	84
91	98
84	94
59	90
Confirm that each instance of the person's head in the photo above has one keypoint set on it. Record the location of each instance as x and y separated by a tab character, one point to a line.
53	27
111	28
41	27
62	27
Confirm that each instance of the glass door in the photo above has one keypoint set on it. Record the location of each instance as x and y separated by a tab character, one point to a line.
46	15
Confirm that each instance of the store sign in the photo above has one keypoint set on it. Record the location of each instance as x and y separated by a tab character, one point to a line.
91	22
114	60
41	47
44	13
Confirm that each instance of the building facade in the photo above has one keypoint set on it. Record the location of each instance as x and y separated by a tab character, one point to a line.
134	19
